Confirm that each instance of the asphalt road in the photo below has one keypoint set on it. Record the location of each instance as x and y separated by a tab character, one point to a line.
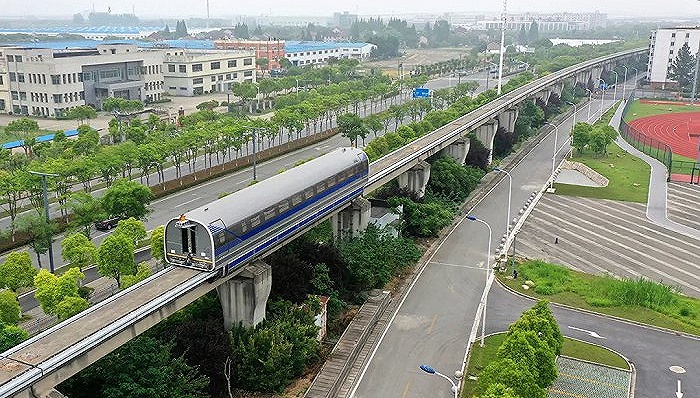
433	323
651	351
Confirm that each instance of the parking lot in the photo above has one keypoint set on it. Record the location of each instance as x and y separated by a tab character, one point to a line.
585	380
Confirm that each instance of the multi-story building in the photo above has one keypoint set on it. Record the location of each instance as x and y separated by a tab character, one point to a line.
193	72
301	53
272	49
46	82
663	49
563	21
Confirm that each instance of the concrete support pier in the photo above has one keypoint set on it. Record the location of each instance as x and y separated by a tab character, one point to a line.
416	179
507	120
244	297
458	150
353	219
485	134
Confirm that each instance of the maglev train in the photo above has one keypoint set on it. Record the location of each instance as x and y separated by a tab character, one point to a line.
242	226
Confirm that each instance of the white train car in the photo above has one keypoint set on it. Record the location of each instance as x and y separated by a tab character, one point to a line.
240	227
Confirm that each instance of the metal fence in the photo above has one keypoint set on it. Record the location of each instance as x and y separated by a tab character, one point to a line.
655	148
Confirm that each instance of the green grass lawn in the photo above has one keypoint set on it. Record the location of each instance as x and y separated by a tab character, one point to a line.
628	175
481	357
638	110
647	302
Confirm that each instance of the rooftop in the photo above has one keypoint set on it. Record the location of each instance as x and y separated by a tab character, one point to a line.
301	46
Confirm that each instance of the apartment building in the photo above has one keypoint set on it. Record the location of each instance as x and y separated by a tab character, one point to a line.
193	72
562	21
664	44
46	82
272	49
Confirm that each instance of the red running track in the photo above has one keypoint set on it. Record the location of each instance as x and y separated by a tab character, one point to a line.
680	131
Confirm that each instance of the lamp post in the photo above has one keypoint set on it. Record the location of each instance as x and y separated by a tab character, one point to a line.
554	152
615	86
624	82
430	370
488	258
602	97
590	98
510	194
46	212
575	110
636	74
254	130
503	50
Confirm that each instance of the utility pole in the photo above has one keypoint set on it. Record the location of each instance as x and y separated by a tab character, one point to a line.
503	50
46	212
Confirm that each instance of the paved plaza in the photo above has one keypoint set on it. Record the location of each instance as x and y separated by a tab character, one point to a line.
684	204
585	380
605	236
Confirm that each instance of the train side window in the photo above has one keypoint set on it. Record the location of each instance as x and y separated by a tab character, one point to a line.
255	221
296	199
241	227
269	214
221	237
283	206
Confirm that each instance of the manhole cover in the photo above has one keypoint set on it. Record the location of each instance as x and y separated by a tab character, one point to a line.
676	369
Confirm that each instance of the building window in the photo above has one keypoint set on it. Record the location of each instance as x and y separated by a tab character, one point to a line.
673	43
197	90
215	65
671	52
15	95
171	67
18	58
23	95
109	74
232	63
13	76
673	35
221	77
228	77
213	78
248	61
57	98
172	88
198	80
1	82
182	68
10	58
196	67
248	73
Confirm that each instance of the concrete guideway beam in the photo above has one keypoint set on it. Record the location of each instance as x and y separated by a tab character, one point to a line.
244	297
458	150
353	219
415	180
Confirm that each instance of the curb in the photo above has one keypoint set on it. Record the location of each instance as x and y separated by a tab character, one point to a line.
601	315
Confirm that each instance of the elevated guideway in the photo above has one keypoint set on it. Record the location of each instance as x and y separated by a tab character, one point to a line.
35	367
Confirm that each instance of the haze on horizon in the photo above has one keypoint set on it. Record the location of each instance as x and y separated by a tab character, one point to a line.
225	8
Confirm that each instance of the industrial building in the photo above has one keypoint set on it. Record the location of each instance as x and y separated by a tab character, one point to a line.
301	53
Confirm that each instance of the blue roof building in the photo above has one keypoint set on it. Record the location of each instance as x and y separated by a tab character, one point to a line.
301	53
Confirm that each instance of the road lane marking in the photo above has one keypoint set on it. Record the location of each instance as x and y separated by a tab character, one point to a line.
405	389
455	265
189	201
590	333
432	323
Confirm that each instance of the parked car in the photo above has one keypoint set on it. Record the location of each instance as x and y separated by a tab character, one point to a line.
109	223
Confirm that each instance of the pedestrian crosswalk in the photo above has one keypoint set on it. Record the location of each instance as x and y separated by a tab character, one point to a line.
604	236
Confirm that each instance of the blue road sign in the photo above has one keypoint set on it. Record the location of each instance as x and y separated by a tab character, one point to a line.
420	92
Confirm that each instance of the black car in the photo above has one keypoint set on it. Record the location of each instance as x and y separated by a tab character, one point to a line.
105	225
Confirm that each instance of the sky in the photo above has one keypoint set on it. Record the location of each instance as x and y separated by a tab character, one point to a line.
227	8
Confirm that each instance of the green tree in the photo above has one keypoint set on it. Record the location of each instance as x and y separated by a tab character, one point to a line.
350	126
116	257
10	310
244	90
499	390
263	63
23	126
82	113
10	336
78	250
580	136
133	229
39	231
70	306
85	210
512	374
527	347
424	219
88	140
158	243
448	177
599	139
52	290
17	271
143	271
682	69
128	198
142	368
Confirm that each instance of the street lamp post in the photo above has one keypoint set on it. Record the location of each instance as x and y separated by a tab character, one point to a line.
636	74
430	370
615	86
510	194
590	98
488	265
46	212
602	97
554	152
254	130
624	82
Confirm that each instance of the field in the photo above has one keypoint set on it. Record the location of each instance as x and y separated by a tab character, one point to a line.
638	109
414	57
